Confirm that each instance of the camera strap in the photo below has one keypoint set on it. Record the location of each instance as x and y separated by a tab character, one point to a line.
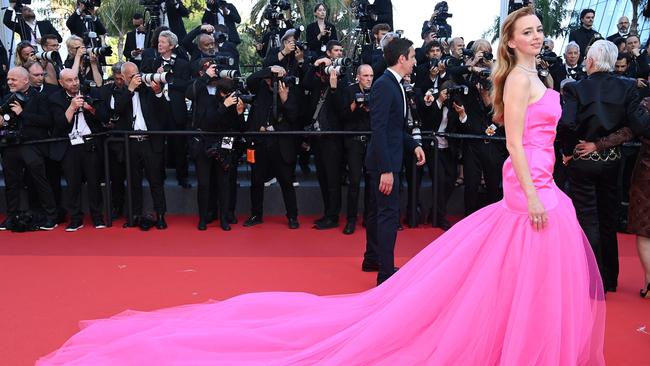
319	106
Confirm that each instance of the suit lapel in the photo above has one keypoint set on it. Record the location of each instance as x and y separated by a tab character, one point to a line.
402	94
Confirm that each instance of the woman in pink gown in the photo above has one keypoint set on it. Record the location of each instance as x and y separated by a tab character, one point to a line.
515	283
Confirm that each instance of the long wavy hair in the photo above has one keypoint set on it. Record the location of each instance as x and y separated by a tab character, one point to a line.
506	60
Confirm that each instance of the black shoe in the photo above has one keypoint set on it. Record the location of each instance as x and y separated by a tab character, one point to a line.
368	266
326	224
400	227
293	223
161	224
225	226
202	226
253	220
350	226
318	221
184	183
443	224
74	226
48	225
232	219
610	288
7	224
99	223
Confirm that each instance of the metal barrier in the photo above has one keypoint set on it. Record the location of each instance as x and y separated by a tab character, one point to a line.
123	137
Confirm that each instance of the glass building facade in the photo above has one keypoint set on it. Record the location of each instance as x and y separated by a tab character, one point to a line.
607	14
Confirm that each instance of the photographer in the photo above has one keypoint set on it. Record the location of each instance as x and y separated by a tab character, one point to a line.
77	114
85	65
438	21
570	69
291	56
432	72
320	32
373	54
139	109
85	20
174	95
215	108
134	44
481	158
205	46
356	117
24	52
272	156
462	62
26	25
322	79
52	64
171	15
223	12
28	120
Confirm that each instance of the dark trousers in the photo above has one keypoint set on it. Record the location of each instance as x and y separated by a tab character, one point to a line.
355	152
593	192
13	168
54	173
177	152
328	155
211	175
117	171
445	175
382	219
560	174
268	161
148	163
79	162
482	159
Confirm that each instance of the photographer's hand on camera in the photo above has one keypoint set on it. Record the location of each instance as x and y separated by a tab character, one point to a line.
156	87
287	49
325	61
460	109
76	103
230	100
135	83
334	80
279	71
16	108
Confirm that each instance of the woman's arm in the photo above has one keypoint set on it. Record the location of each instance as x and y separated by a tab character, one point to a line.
515	100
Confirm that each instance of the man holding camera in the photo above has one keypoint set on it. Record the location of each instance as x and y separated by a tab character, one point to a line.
215	108
84	20
76	115
83	61
174	95
223	12
431	73
50	59
140	108
275	109
322	79
27	27
28	120
356	117
134	44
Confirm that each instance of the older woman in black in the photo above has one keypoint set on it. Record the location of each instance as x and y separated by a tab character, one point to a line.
320	32
215	109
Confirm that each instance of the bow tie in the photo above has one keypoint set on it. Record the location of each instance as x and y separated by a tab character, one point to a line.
138	32
573	70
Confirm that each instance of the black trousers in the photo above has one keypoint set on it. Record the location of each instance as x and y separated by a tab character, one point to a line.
177	149
83	162
355	153
268	161
382	219
54	173
117	176
14	167
560	174
212	179
593	192
328	154
482	159
148	163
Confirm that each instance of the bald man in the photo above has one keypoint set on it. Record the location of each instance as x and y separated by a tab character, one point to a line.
623	26
356	117
29	120
138	109
78	117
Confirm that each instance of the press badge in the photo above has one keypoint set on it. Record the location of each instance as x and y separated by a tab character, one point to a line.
323	48
227	142
75	138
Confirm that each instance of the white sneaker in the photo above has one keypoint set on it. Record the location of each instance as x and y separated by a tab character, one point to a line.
296	184
270	182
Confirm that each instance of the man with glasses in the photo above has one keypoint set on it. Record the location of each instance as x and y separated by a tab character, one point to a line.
623	26
50	43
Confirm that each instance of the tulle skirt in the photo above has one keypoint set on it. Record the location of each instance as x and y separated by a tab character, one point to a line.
490	291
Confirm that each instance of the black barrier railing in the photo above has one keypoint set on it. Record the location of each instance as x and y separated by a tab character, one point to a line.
124	137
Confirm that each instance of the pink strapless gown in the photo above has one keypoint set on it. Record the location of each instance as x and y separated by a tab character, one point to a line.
490	291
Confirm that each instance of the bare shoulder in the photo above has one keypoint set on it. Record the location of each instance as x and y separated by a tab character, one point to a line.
517	83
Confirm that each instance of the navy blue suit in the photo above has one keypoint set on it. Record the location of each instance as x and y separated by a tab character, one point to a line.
385	154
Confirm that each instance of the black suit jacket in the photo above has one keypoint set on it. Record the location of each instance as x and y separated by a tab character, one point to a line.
24	30
58	104
388	123
177	89
615	36
313	43
152	110
175	17
76	25
231	20
599	105
129	46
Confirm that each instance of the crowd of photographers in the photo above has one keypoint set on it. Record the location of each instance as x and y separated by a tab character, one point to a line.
178	80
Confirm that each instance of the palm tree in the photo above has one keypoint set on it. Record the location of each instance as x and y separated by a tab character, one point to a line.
636	5
552	13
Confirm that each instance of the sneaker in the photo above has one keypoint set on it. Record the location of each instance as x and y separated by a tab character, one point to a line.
48	225
270	182
296	184
99	224
74	226
7	224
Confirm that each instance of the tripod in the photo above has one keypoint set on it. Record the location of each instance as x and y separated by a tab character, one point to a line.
153	22
20	22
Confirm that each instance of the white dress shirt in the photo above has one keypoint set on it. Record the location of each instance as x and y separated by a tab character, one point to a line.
139	123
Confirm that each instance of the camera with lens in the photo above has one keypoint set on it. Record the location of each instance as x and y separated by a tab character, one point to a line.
451	62
158	77
84	89
9	127
467	52
362	98
440	19
97	51
289	79
91	4
442	40
455	94
246	98
220	60
18	7
214	5
365	13
220	37
548	56
484	79
228	74
50	56
302	45
274	11
433	63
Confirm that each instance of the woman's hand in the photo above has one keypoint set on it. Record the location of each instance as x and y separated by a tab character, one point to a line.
585	148
537	214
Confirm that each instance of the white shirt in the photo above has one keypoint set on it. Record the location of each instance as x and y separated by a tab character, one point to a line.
212	90
399	81
442	142
80	127
34	33
139	123
139	43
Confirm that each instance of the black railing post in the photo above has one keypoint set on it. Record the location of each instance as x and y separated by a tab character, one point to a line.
107	179
434	183
129	193
413	196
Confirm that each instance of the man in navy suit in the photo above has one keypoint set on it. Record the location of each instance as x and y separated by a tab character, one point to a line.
384	158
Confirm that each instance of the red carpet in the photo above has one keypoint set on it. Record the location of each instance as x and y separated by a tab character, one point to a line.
50	281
